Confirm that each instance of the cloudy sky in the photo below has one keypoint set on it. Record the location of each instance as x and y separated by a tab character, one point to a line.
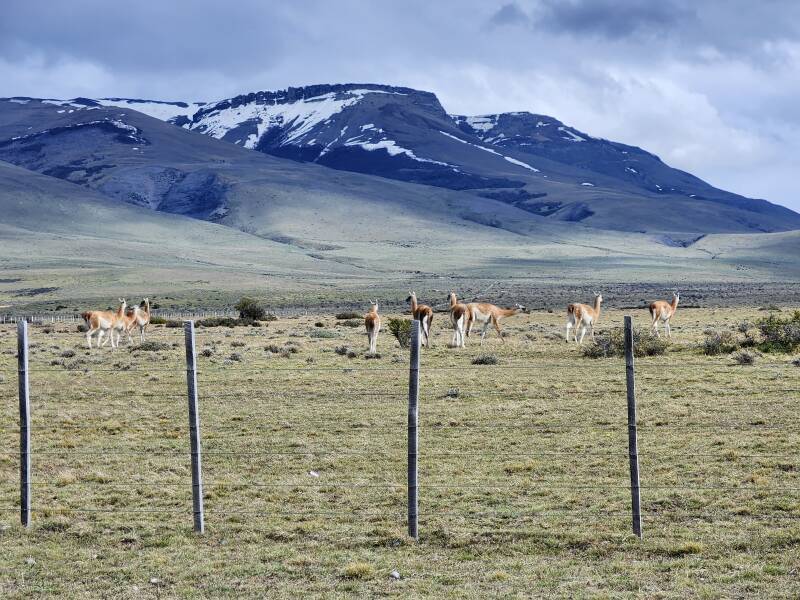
712	87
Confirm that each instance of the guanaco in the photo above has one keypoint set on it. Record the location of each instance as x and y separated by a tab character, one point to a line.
424	314
583	316
459	315
103	322
663	311
372	322
486	314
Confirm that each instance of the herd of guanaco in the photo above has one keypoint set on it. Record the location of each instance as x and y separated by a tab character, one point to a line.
580	318
463	317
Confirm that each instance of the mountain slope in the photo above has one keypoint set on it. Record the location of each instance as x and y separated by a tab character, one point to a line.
531	161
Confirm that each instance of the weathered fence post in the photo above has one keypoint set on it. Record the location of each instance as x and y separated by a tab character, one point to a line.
413	434
194	427
633	446
24	425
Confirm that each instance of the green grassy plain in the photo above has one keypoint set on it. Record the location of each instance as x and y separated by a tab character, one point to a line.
523	467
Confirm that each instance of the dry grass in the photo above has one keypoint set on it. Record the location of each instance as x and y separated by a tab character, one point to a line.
523	468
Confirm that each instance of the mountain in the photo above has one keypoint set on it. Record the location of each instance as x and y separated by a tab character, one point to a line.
533	162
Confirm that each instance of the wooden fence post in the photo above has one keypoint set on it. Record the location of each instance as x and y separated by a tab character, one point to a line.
24	425
194	428
413	434
633	446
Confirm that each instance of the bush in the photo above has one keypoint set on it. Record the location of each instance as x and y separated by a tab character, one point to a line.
719	342
485	359
796	362
225	322
780	335
745	357
372	355
250	309
82	328
207	352
612	343
172	324
342	350
401	329
68	354
342	316
322	333
158	321
353	323
236	357
150	346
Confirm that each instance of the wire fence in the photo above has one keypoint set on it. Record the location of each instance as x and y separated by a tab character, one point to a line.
321	443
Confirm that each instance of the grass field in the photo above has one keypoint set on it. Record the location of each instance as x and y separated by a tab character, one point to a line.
523	467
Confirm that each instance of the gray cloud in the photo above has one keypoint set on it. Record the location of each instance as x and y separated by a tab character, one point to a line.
709	86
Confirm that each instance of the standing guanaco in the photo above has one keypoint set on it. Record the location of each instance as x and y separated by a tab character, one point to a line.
424	314
459	315
372	322
663	311
581	316
103	322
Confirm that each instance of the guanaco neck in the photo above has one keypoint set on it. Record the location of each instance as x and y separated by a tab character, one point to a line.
674	304
597	307
413	302
453	299
508	312
147	307
121	309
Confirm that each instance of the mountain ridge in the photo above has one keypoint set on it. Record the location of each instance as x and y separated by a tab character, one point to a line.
533	162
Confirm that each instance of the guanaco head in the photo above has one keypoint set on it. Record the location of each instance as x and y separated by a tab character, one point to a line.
373	306
412	297
122	305
452	299
520	307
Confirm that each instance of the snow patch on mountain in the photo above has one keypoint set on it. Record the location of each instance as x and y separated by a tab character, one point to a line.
164	111
485	149
297	118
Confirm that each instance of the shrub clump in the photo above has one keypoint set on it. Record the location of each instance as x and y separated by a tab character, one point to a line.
485	359
612	343
249	308
401	329
150	346
322	334
341	350
780	335
745	357
343	316
226	322
352	323
719	342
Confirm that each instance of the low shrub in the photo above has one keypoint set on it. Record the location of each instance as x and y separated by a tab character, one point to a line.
236	357
342	316
485	359
82	328
612	343
173	324
352	323
372	355
342	350
68	354
779	335
796	362
322	334
207	352
150	346
158	321
745	357
226	322
237	344
401	329
718	342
